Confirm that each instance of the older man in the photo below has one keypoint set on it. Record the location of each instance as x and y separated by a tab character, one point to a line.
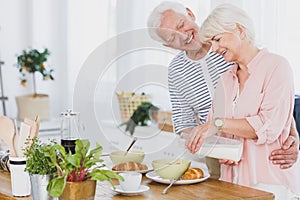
193	76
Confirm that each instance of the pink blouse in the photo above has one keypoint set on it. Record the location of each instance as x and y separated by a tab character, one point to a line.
267	102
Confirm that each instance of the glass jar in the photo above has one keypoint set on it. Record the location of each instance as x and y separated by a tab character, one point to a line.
70	130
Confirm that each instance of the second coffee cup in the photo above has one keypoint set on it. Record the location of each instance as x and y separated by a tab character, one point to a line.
132	181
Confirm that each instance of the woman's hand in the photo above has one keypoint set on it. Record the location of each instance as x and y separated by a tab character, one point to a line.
196	137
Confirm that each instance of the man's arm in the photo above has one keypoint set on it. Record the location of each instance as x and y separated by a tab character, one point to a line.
288	154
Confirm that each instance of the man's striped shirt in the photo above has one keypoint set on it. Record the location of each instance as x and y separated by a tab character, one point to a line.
189	90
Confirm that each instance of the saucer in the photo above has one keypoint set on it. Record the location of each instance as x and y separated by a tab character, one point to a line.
143	188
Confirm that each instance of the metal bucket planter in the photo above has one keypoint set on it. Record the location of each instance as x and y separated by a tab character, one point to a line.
79	190
39	187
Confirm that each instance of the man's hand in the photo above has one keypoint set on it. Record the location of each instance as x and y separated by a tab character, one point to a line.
228	162
287	155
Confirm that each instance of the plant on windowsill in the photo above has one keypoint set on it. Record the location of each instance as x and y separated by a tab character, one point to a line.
33	62
79	170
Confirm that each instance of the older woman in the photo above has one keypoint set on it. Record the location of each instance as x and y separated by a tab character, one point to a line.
258	101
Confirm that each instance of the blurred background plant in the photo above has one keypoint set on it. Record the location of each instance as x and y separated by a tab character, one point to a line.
32	61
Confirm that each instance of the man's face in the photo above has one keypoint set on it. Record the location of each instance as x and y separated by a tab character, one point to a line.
179	31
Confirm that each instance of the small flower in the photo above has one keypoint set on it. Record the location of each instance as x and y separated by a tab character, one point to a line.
24	67
42	66
47	78
23	83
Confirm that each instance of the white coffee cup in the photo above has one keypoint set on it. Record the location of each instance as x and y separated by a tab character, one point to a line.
132	181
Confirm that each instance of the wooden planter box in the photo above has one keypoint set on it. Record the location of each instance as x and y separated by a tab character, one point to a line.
79	190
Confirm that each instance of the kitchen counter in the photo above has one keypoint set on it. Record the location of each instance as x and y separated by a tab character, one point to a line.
209	189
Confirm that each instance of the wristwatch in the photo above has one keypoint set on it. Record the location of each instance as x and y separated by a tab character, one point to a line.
219	123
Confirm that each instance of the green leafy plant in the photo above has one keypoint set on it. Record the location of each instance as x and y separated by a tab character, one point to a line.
81	166
37	156
33	61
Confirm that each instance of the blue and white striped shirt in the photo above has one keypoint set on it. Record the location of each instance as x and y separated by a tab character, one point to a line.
189	90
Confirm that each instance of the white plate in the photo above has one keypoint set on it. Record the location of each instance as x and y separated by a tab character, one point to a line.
155	177
143	188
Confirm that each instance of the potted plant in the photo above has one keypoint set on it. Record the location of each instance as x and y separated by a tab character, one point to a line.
141	116
39	166
33	62
76	174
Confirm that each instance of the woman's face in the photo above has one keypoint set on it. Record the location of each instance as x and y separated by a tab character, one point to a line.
228	45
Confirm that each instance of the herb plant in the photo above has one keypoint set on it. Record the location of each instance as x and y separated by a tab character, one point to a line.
38	159
82	165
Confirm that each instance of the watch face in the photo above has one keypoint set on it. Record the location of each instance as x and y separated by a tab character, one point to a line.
218	122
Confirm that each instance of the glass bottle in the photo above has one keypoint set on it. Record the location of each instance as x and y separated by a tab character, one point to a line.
70	130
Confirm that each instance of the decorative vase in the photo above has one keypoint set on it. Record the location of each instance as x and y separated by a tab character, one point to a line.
30	106
84	190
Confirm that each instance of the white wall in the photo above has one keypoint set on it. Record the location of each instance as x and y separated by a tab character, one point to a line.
73	29
33	24
70	29
13	37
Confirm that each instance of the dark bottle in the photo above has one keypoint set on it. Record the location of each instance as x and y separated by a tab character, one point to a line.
69	145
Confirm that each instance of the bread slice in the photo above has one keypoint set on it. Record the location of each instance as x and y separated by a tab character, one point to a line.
193	173
130	166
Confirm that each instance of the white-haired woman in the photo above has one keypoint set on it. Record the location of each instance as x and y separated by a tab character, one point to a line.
258	100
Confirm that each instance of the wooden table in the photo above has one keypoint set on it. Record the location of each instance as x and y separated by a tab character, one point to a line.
208	190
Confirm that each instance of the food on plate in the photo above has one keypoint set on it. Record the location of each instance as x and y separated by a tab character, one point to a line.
193	173
130	166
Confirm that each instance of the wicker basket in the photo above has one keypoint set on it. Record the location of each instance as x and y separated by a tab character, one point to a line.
165	121
128	102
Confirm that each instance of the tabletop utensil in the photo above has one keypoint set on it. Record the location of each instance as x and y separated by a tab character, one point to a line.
34	124
132	143
171	183
7	133
37	121
16	137
24	134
